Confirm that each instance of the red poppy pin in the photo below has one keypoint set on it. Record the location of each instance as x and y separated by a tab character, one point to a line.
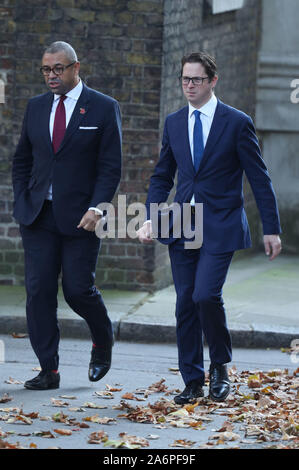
82	111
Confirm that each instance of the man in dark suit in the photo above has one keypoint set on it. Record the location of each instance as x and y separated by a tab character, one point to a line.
68	160
210	145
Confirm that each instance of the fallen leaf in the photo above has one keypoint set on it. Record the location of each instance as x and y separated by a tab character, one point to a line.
46	434
97	437
134	440
128	396
13	381
182	443
19	335
63	432
97	419
104	394
58	403
93	405
68	397
112	388
226	436
5	398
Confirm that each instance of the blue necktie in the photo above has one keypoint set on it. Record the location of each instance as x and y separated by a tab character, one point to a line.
198	147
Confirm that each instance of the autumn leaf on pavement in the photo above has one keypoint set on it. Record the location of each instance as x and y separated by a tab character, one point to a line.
13	381
254	381
128	396
97	437
45	434
190	408
104	394
182	443
158	386
112	388
134	440
19	335
226	436
7	445
59	403
63	432
89	404
5	398
59	417
68	397
227	426
97	419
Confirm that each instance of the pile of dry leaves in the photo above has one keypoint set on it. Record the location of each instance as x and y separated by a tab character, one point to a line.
261	409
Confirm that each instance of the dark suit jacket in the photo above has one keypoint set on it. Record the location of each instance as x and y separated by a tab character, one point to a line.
84	172
232	148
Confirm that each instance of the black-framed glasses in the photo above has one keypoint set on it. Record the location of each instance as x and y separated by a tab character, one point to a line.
195	80
57	69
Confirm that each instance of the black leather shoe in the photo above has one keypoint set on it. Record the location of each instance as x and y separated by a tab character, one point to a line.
100	363
193	390
219	382
45	380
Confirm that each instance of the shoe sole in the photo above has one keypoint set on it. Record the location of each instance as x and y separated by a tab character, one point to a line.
186	402
219	399
32	387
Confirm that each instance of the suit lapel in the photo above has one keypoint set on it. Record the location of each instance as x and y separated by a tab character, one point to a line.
183	138
218	125
79	113
45	119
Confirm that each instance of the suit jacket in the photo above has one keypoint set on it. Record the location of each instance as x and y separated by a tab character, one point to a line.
84	172
232	148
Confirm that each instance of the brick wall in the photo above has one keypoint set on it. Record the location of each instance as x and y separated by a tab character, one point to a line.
119	45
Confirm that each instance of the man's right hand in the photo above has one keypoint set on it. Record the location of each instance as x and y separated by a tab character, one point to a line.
145	233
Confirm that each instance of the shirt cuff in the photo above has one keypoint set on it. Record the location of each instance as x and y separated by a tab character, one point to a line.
98	211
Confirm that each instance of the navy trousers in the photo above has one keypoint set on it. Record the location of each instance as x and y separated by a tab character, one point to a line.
49	253
198	278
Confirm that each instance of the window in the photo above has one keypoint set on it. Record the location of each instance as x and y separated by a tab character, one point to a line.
221	6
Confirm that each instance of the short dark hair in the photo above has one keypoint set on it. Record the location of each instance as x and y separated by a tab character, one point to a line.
208	62
61	46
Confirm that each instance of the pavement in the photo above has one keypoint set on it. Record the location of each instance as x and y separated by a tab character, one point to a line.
144	375
261	301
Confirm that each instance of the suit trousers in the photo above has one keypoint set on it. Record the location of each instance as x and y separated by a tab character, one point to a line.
49	253
198	278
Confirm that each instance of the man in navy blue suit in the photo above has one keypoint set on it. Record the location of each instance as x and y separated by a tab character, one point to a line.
210	145
68	160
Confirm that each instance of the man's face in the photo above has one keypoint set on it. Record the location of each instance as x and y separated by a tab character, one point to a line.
61	84
197	95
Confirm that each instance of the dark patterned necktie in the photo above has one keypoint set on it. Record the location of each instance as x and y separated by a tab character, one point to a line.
59	124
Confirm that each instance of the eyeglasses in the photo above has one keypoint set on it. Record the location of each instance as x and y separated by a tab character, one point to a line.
57	69
195	80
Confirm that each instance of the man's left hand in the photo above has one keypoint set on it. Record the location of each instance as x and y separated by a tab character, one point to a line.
89	220
272	245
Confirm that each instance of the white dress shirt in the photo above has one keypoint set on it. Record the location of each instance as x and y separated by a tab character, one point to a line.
69	103
207	115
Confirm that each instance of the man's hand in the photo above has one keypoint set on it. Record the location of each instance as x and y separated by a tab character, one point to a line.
145	233
272	245
89	220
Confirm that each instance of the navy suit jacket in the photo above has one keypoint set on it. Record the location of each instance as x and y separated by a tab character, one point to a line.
84	172
232	148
